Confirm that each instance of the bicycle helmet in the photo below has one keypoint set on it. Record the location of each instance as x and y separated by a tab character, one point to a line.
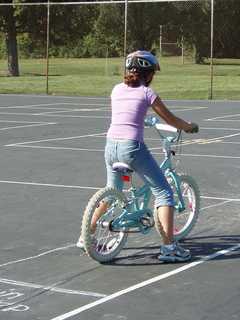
142	61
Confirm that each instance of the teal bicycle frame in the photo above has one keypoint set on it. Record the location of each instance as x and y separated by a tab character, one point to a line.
139	216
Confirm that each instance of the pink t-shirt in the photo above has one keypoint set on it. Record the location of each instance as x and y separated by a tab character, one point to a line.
129	107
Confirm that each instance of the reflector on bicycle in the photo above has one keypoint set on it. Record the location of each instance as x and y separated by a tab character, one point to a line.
125	178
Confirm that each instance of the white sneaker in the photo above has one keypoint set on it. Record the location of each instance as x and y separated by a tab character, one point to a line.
174	253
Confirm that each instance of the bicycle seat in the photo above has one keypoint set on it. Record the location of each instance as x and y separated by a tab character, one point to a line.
122	167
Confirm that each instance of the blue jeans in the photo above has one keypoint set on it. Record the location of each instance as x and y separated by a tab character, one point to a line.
139	158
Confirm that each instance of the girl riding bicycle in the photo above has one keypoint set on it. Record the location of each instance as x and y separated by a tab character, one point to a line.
130	102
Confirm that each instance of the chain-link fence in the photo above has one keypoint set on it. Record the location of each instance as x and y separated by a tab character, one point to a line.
78	48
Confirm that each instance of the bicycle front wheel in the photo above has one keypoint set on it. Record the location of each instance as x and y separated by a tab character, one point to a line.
100	242
185	220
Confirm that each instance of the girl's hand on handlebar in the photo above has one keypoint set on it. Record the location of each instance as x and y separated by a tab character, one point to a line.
192	128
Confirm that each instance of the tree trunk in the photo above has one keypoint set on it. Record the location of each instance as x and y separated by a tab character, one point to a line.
11	43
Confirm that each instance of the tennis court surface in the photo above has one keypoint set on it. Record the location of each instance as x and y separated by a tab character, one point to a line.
52	161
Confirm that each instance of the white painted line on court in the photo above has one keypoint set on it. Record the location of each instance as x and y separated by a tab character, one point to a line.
219	138
210	156
56	139
53	97
53	115
228	142
20	121
228	120
52	288
187	142
32	106
212	102
211	206
58	110
71	116
204	141
57	148
28	125
18	113
96	188
47	105
203	155
188	109
53	112
101	108
224	117
37	256
216	205
19	145
84	104
27	113
144	283
220	128
221	198
48	185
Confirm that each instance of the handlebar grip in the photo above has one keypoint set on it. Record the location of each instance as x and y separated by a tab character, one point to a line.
150	121
195	128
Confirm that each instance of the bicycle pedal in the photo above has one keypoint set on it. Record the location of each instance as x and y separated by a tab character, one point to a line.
147	222
104	224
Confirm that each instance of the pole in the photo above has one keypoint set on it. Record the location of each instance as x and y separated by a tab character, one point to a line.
160	41
182	45
211	56
47	48
125	34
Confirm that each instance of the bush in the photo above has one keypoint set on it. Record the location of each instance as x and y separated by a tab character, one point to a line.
27	48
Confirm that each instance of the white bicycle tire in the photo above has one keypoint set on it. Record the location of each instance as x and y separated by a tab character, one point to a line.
88	238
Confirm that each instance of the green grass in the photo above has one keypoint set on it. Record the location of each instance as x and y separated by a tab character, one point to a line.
96	77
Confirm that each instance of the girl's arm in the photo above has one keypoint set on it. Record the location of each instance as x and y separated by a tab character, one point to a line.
161	110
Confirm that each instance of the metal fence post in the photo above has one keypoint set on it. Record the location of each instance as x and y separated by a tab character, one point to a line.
47	47
125	34
211	54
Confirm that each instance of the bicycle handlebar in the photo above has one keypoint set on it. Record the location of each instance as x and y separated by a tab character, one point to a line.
168	134
152	121
165	127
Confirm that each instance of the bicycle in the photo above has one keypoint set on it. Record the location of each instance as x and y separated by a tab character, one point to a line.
131	213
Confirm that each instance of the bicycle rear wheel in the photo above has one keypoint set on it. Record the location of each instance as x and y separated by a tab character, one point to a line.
102	244
185	221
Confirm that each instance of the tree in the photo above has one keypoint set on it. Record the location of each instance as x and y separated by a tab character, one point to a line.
194	21
226	29
142	28
68	26
9	28
107	34
143	24
98	30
